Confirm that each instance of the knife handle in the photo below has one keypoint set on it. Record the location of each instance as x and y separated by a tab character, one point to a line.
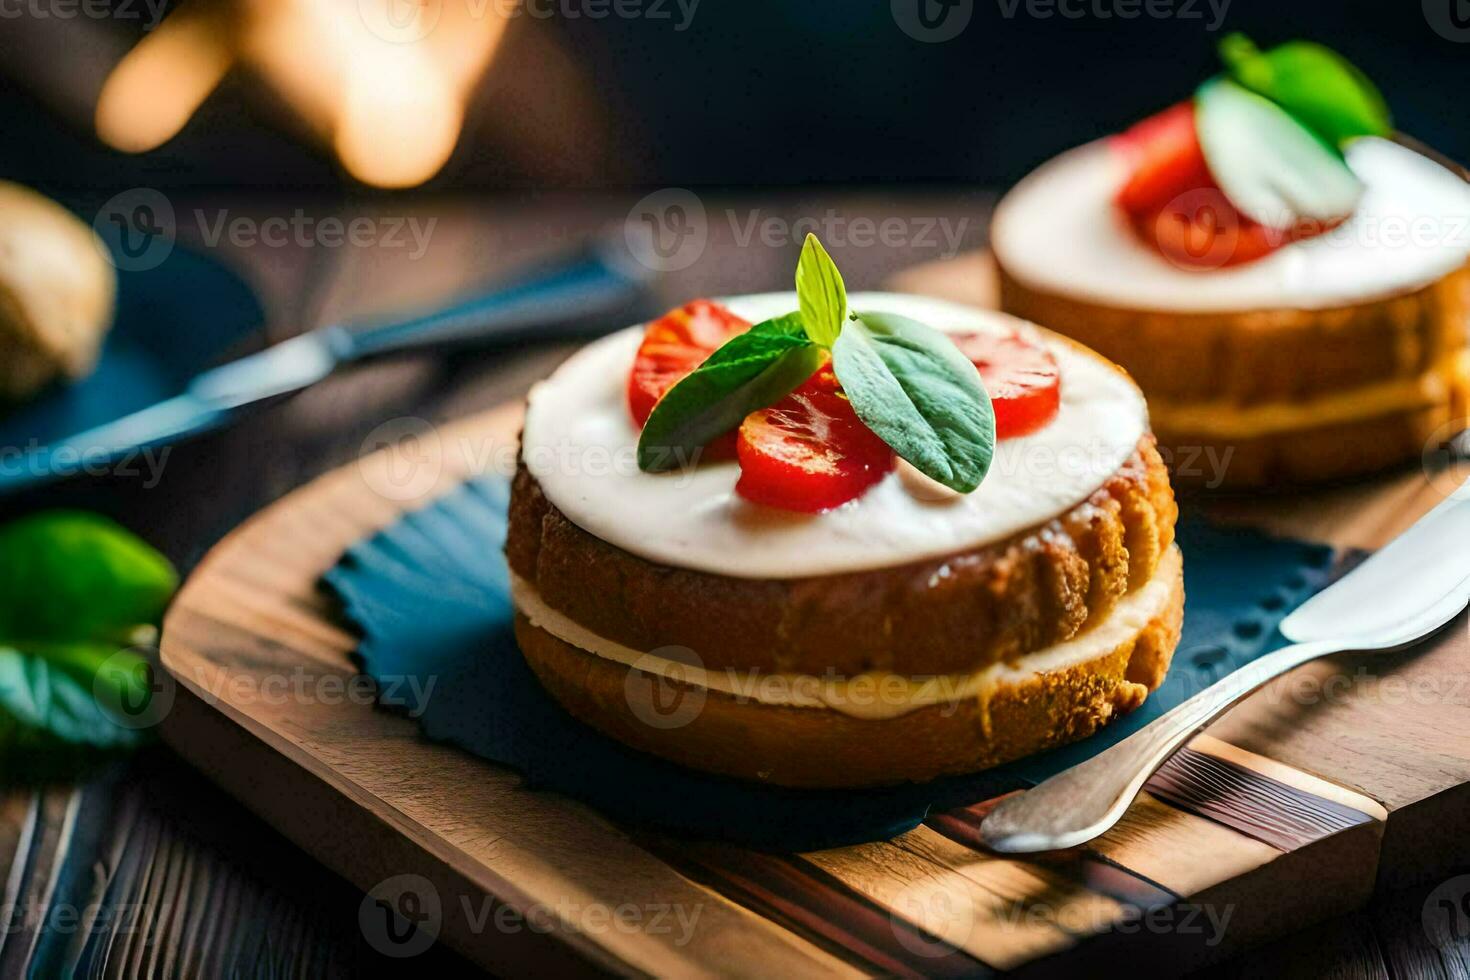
575	297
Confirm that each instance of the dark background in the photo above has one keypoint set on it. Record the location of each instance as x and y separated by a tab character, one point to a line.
761	92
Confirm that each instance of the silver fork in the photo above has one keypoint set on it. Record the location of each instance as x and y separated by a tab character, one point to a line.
1405	592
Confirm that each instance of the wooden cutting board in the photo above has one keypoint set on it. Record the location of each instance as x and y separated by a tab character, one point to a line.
1346	775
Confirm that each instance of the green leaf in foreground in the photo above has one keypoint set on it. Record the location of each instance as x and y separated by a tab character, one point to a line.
1271	167
820	292
1315	84
60	704
911	385
70	576
75	590
751	371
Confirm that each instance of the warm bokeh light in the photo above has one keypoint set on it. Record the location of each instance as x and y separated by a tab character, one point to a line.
159	85
383	82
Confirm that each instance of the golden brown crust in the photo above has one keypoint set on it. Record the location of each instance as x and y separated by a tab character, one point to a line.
1325	453
953	614
752	740
1248	359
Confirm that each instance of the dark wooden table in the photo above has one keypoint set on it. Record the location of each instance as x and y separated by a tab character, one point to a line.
209	890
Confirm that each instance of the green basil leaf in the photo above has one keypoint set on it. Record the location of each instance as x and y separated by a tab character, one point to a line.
911	385
55	701
71	576
1318	86
752	370
820	292
1272	168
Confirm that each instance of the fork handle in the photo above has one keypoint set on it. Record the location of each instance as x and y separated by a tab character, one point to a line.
1075	806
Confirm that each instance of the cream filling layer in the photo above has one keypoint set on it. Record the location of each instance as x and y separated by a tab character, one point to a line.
872	696
1229	420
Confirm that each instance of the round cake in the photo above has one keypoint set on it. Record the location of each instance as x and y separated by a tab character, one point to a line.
909	633
1332	356
1284	275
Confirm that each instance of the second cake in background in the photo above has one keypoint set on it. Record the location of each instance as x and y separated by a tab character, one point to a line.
1287	284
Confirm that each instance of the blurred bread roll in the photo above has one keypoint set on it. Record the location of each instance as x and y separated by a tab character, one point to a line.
57	291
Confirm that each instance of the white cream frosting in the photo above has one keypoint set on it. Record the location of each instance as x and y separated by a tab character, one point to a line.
1058	230
579	443
871	696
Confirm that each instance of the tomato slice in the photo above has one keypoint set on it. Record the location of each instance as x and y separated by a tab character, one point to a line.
674	345
1166	159
1174	204
809	452
1021	375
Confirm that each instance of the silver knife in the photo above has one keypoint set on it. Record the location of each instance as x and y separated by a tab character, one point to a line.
1405	592
566	299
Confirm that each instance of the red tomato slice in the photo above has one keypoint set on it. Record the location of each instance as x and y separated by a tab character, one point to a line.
1021	375
1166	158
674	345
809	452
1174	204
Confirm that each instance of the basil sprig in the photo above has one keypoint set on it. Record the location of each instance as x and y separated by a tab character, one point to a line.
752	370
1316	85
911	385
907	382
1273	127
820	292
1274	170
